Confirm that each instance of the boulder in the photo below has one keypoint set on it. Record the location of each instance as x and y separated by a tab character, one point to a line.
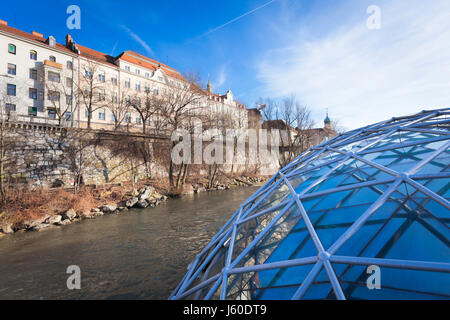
86	214
95	210
6	228
141	204
100	213
122	208
41	226
64	222
131	202
28	223
54	219
69	214
109	208
148	191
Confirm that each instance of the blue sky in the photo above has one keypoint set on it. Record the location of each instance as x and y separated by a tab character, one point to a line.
321	51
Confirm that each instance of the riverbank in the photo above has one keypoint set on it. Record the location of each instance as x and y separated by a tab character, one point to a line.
44	209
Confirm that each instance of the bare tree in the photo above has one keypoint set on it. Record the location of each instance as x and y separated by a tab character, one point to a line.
294	122
91	90
117	102
178	104
59	87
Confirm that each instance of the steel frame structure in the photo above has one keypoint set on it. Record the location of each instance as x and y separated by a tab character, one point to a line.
430	127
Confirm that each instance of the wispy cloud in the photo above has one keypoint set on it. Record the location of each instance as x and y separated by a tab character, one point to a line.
139	40
222	77
365	75
237	18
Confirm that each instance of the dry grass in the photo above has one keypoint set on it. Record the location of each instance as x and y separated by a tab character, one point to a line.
24	203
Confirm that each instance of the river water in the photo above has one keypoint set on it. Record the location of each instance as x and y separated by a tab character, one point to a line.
139	254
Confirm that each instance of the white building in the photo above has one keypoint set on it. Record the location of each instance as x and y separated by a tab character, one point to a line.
46	82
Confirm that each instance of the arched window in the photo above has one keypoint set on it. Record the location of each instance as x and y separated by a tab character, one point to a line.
33	55
52	59
12	48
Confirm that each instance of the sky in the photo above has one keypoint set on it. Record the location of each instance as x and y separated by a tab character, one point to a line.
320	51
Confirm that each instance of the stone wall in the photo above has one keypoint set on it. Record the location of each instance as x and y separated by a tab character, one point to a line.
45	156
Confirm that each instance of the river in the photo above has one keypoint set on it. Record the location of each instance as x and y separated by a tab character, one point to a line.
140	254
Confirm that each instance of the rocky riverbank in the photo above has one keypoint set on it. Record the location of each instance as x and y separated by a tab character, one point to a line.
143	197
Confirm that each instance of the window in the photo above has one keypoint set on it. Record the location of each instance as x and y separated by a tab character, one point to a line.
69	82
138	120
127	68
101	77
113	118
51	113
160	78
155	90
147	88
138	71
52	59
11	69
68	99
11	48
114	97
101	115
114	81
11	89
10	107
147	75
127	117
33	74
53	96
127	99
138	86
86	113
88	74
69	65
137	102
53	76
32	93
68	115
101	95
127	83
33	55
32	111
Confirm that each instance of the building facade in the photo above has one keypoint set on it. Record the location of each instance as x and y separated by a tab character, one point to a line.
72	85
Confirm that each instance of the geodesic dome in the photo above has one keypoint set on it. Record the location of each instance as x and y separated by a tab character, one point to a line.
378	196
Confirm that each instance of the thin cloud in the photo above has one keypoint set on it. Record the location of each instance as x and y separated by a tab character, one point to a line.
222	78
364	75
139	40
236	19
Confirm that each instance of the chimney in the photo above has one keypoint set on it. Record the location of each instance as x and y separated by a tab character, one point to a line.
3	22
68	40
51	41
37	34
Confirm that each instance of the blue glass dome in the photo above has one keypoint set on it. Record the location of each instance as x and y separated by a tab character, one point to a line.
376	196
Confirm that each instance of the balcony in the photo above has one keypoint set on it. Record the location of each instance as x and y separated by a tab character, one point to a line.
52	64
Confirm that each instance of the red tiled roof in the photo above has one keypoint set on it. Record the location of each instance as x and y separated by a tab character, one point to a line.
146	62
96	55
30	36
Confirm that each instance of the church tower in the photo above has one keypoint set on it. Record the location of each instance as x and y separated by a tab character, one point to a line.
327	122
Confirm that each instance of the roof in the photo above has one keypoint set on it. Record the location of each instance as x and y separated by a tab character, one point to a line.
32	37
96	55
151	64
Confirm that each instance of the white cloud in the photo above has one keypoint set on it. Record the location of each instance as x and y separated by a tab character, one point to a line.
364	75
139	40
